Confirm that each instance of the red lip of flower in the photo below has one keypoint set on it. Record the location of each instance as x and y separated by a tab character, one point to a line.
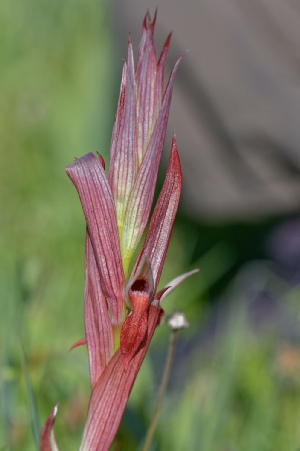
122	311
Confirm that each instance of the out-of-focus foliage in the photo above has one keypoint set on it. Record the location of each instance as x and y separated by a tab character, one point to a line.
56	103
236	378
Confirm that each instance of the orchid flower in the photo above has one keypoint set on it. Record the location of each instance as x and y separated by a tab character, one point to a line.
122	307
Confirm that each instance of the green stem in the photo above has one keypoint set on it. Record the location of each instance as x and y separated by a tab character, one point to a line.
162	390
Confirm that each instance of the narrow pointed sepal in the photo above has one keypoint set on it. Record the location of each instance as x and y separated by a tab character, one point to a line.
111	392
171	286
47	439
160	228
159	80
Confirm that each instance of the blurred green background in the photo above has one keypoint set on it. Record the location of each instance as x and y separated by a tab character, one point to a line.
235	384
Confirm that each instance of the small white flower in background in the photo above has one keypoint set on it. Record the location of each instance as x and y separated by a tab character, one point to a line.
177	321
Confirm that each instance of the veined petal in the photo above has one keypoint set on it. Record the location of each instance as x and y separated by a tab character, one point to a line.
124	156
145	87
95	195
47	440
110	395
98	328
161	295
161	224
140	201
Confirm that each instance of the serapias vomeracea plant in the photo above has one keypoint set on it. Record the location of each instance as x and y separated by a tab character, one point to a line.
121	307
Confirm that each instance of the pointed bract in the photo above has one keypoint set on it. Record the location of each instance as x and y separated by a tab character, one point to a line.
160	228
47	439
159	80
171	286
78	343
91	182
117	123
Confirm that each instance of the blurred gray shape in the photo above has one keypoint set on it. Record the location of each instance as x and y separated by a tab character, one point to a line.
236	102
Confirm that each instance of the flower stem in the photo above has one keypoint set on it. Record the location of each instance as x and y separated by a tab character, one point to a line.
162	390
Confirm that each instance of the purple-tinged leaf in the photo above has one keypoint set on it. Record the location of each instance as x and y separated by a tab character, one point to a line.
95	195
111	393
140	201
98	328
48	441
160	228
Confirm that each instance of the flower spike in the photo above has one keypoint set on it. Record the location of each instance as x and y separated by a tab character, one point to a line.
122	310
138	138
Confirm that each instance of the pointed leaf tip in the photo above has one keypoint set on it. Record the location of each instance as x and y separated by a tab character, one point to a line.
148	23
101	159
48	441
81	342
175	283
159	233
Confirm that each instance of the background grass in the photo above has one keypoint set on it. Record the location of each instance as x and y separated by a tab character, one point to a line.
235	382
